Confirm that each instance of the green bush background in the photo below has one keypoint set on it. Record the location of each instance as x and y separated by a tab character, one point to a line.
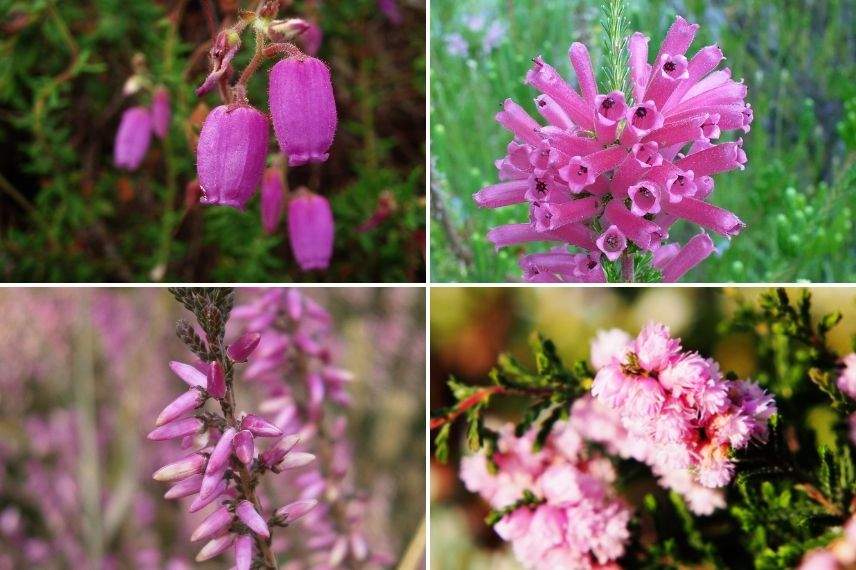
796	194
62	215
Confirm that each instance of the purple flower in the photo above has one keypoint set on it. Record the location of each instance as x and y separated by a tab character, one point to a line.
612	243
161	113
188	401
216	381
241	349
132	138
273	199
391	10
259	426
218	521
250	517
230	156
293	511
303	109
244	445
310	230
176	429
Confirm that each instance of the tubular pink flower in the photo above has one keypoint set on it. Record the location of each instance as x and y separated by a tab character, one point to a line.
190	374
212	482
244	552
244	446
678	38
310	230
243	347
697	249
220	456
293	511
502	194
548	81
612	243
581	63
188	401
718	158
295	460
132	138
248	515
215	523
640	231
176	429
201	502
161	114
513	234
215	547
230	156
706	215
559	215
181	469
611	109
273	199
514	118
645	198
552	112
303	109
637	47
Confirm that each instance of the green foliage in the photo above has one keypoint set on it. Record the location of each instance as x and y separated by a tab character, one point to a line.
796	194
66	214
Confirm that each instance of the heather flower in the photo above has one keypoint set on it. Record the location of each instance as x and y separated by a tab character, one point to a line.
610	175
303	109
273	199
132	138
230	156
683	414
847	379
161	113
310	230
575	520
223	474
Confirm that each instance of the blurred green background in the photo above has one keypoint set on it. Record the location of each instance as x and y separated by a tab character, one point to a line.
67	214
797	193
470	327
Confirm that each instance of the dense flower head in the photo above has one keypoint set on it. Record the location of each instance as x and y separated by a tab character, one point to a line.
610	175
682	413
576	520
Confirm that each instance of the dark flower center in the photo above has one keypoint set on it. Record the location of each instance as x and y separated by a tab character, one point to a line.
582	170
608	103
669	67
641	112
612	242
540	187
542	103
680	179
645	192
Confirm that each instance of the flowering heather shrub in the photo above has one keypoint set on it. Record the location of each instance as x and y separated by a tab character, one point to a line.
610	174
648	456
88	376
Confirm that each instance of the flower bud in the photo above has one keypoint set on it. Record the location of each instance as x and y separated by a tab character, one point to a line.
244	446
161	113
220	456
213	524
179	428
190	374
211	482
296	459
181	469
260	427
303	109
242	348
310	230
293	511
216	381
188	401
185	487
248	515
244	552
230	156
132	138
273	199
215	547
201	502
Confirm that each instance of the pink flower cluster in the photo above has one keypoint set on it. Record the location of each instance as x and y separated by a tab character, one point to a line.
677	405
838	555
605	172
847	384
307	395
577	521
226	463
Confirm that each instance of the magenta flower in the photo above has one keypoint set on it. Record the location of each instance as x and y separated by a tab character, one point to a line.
230	156
132	138
273	199
630	167
303	109
161	114
310	230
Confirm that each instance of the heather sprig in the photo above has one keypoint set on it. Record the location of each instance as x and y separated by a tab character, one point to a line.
225	467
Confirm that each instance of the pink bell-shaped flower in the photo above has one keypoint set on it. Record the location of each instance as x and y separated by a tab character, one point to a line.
132	138
310	230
